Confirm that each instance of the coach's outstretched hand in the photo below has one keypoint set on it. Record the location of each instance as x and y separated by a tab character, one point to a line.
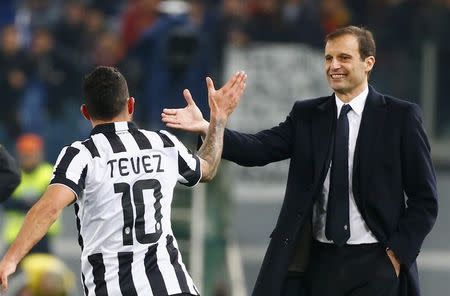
222	102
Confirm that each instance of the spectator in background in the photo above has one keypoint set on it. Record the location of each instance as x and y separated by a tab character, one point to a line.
401	45
108	50
13	79
9	174
32	14
233	23
334	14
49	78
404	30
285	21
229	28
69	29
266	23
7	12
362	10
175	55
36	175
302	22
108	7
138	17
94	25
68	35
42	275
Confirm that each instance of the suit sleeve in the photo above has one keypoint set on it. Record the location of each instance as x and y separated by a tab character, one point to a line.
264	147
9	174
419	183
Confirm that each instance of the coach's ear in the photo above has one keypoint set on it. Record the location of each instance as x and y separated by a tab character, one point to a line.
130	103
85	112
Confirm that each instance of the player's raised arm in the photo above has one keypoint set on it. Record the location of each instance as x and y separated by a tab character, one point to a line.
222	103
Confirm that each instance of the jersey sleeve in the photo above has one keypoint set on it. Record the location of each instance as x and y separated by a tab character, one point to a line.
71	168
189	172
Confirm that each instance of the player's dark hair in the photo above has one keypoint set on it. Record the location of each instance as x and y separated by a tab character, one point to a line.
106	92
365	39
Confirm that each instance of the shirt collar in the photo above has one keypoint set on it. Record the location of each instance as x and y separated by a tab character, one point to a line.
357	103
113	127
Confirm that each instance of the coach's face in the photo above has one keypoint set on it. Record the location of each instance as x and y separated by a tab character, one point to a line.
346	72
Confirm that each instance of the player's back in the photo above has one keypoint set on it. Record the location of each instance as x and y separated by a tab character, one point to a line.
124	178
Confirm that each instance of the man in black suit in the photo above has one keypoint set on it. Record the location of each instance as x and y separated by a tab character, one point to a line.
9	174
361	191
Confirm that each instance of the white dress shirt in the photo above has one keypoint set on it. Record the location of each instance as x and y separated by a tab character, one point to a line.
359	231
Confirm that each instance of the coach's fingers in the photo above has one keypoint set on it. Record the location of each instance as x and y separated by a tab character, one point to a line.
165	115
168	119
188	97
169	111
173	125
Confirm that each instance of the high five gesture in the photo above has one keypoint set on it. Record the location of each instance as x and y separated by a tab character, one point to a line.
223	100
222	103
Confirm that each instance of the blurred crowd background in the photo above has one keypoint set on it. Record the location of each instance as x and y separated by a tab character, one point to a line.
162	47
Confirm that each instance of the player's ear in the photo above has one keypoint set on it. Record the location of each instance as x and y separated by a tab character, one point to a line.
130	105
84	111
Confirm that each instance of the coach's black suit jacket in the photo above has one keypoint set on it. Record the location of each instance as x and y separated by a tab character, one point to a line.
392	159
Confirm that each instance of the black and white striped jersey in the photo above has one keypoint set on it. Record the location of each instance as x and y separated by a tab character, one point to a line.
124	178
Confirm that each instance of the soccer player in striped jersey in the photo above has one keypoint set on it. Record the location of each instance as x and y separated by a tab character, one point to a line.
121	181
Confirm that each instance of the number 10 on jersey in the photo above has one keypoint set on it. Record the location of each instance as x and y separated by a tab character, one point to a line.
127	207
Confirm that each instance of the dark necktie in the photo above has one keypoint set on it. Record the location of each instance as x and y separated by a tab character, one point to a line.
337	224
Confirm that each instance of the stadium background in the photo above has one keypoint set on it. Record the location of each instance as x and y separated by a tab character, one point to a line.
164	46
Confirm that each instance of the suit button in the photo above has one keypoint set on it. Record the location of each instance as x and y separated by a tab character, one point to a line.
299	215
286	241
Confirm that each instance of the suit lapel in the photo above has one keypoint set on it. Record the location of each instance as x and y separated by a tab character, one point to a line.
372	121
322	134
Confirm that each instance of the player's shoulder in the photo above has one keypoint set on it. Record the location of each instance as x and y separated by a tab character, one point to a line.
80	147
75	145
166	133
155	132
163	137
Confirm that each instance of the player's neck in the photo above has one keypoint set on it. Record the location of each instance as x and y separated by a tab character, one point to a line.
119	118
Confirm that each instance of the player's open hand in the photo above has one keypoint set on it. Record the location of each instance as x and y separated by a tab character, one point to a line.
6	269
